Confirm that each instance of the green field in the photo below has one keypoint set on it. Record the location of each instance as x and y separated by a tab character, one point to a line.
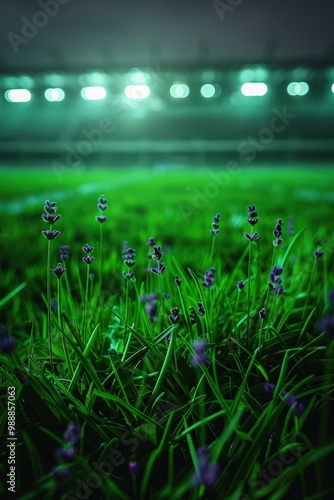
89	349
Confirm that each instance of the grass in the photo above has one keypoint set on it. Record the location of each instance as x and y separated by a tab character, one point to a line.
139	384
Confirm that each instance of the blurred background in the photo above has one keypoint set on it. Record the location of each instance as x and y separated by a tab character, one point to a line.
165	83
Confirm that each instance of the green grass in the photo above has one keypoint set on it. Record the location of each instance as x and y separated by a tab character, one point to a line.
127	381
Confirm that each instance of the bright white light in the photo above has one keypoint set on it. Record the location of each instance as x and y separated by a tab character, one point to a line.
137	91
179	90
208	90
54	95
93	93
18	95
332	88
297	88
254	89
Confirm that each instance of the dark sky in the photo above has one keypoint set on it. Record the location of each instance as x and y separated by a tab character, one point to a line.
102	33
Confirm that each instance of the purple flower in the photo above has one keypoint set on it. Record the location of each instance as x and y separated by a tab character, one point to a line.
64	252
279	290
276	280
128	275
214	232
101	218
240	285
327	325
269	386
157	254
177	281
151	306
58	270
216	218
251	237
133	467
199	357
252	222
60	472
151	242
50	235
262	313
207	473
174	315
88	260
318	254
209	278
102	200
72	433
65	455
158	270
87	249
7	344
201	310
51	218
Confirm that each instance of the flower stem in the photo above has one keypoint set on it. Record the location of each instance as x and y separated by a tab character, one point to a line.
48	299
61	326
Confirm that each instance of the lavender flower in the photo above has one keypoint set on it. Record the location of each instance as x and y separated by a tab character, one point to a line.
278	232
72	434
87	249
7	344
269	386
318	253
209	278
133	467
174	315
262	313
151	306
215	225
200	310
177	281
64	252
50	235
151	242
58	270
88	260
102	206
240	285
158	270
207	473
252	215
60	472
157	254
251	237
101	218
65	455
199	357
291	401
276	280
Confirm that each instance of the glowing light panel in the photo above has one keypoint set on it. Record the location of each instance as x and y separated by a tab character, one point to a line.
137	91
254	89
18	95
54	95
93	93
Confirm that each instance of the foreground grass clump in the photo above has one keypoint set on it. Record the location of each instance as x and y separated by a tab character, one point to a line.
150	372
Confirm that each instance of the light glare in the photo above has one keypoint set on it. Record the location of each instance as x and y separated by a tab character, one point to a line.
18	95
254	89
137	91
93	93
54	95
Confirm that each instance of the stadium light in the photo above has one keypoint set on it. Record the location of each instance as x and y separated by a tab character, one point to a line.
332	88
137	91
297	88
252	89
179	90
18	95
54	95
93	93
